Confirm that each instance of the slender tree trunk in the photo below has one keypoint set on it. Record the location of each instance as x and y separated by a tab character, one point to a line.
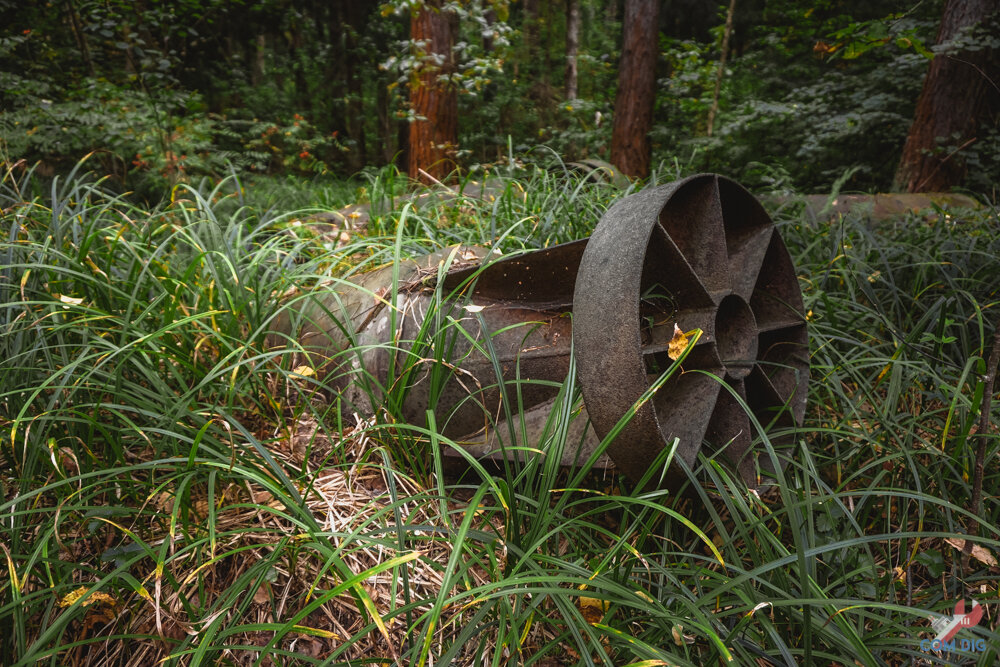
356	15
386	138
955	99
490	16
303	98
490	89
727	33
259	54
572	46
530	29
434	134
983	436
630	145
336	110
81	37
548	66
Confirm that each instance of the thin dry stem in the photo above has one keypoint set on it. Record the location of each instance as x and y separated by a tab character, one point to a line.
983	436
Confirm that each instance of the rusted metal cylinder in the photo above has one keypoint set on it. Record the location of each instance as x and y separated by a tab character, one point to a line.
455	318
462	331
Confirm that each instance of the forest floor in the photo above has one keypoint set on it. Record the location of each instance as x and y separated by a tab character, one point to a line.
178	490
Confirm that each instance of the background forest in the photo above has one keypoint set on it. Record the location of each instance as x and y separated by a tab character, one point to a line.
776	93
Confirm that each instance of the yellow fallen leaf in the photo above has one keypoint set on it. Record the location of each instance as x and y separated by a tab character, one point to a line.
72	301
71	598
677	632
678	343
316	632
979	553
98	597
646	596
304	371
593	609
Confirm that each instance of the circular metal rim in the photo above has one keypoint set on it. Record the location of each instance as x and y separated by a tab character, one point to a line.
707	238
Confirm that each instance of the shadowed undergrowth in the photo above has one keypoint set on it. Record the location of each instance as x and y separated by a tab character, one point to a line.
175	489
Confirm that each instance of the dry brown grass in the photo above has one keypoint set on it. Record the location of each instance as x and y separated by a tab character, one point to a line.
352	503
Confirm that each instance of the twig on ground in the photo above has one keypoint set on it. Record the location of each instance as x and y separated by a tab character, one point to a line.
983	437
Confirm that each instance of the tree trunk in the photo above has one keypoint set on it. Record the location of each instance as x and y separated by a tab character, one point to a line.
549	65
81	38
357	13
302	98
727	33
490	16
530	28
572	46
385	128
259	56
335	67
434	133
630	145
954	101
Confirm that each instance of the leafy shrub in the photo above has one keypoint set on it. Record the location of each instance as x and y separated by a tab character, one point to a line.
295	146
812	129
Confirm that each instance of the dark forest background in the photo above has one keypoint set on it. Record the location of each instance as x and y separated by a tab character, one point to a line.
776	93
225	441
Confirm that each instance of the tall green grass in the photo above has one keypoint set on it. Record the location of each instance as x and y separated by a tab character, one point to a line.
214	507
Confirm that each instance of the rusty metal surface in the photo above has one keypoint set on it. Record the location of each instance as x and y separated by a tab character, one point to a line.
701	253
360	338
543	278
698	253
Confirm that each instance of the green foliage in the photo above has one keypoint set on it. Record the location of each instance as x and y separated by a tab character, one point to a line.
792	106
480	43
817	125
528	104
859	38
170	92
154	92
295	147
